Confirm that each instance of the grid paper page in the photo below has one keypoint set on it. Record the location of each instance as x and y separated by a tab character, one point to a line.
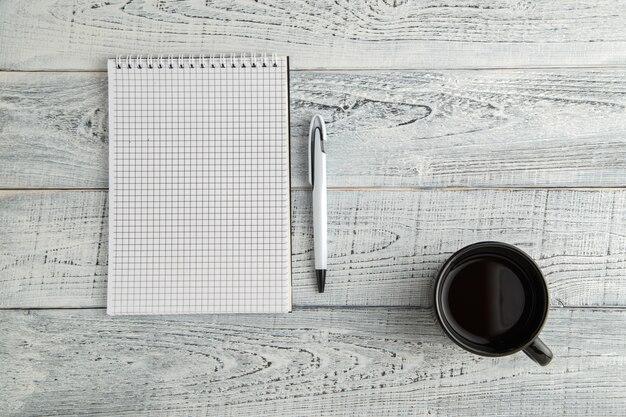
199	193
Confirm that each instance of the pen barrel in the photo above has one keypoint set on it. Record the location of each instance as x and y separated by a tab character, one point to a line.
320	220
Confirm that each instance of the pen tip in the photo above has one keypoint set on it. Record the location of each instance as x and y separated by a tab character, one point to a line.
321	279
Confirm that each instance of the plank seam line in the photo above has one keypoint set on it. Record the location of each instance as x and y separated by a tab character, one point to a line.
374	188
307	307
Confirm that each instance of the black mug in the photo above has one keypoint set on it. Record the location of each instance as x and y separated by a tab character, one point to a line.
492	300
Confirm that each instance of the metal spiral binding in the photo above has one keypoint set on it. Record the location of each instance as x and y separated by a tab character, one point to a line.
243	60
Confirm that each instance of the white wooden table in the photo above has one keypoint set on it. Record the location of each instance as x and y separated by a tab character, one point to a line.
450	123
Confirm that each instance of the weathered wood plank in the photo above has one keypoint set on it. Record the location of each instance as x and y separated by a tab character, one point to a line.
385	246
79	35
404	128
53	130
312	362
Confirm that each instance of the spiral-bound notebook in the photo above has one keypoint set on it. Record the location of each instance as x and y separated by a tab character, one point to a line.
199	200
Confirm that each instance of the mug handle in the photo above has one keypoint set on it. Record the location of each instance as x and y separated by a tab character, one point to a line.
539	352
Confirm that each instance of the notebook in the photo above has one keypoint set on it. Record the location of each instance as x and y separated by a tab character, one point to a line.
199	185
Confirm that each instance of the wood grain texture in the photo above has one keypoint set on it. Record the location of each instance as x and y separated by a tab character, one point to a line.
377	362
385	247
402	128
53	130
79	35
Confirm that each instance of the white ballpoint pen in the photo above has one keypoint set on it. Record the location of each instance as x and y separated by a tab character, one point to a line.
317	179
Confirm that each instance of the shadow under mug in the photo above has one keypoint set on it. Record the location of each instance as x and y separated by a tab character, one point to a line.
531	294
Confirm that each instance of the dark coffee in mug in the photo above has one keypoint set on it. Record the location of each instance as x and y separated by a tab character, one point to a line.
486	299
492	299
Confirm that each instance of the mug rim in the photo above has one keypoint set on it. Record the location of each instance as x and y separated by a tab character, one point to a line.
443	273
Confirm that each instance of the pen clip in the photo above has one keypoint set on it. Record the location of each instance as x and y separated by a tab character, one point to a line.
316	123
